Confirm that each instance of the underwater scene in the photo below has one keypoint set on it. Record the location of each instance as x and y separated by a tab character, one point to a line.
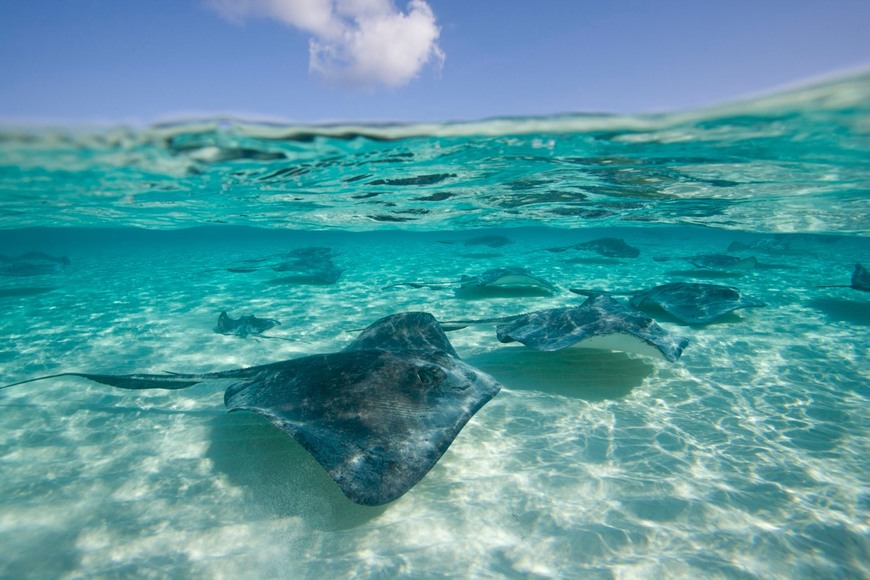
577	346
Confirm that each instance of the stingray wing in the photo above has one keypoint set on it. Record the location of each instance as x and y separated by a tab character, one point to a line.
376	420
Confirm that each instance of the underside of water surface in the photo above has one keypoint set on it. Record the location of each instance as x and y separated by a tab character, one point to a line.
747	457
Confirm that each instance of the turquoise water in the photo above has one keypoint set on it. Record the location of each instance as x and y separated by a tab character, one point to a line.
748	457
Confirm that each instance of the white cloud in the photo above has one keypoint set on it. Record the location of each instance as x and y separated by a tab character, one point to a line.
360	42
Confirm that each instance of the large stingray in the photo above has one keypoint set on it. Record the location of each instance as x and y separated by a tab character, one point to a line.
377	415
691	303
601	322
860	280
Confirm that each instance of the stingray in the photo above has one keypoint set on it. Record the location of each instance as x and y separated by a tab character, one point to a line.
860	280
32	264
716	261
770	246
308	266
377	415
242	269
610	247
244	325
312	265
690	303
310	253
511	277
480	255
601	322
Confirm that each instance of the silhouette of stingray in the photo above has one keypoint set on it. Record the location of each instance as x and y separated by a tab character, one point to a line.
377	415
509	277
610	247
32	264
312	265
775	246
244	325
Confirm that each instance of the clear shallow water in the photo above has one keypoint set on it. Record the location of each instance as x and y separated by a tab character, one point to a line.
746	458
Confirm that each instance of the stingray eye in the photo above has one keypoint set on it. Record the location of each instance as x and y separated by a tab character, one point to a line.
429	375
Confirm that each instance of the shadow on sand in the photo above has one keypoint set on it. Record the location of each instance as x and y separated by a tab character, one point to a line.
588	374
278	475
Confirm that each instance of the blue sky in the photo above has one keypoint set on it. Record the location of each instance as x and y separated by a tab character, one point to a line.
147	60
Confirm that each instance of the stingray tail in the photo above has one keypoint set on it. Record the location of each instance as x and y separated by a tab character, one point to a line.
34	380
172	381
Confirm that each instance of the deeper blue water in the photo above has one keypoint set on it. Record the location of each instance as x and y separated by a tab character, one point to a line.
745	458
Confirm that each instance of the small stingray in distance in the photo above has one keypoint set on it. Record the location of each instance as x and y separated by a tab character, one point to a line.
377	415
716	261
511	276
610	247
690	303
244	325
511	280
312	265
308	266
775	246
32	264
20	292
860	280
480	255
601	322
